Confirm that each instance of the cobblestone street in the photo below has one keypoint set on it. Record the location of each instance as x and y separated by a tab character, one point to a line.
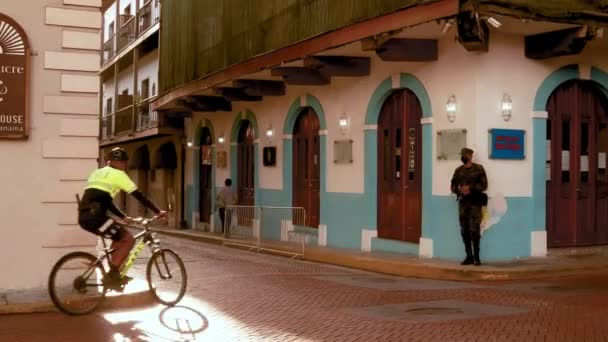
235	295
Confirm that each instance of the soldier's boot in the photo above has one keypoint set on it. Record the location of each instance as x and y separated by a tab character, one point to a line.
466	238
476	240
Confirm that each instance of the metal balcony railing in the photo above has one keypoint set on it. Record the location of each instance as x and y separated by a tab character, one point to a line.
146	119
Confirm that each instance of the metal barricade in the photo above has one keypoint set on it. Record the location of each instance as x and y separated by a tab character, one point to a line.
242	226
279	230
266	228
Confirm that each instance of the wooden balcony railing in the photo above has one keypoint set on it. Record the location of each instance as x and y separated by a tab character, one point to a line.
126	34
109	49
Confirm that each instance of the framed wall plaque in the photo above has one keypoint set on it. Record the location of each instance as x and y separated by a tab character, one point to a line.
14	80
450	142
343	151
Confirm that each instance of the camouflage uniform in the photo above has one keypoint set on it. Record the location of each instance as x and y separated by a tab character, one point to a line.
469	206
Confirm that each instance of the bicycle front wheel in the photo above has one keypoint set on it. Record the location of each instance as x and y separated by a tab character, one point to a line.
166	275
75	283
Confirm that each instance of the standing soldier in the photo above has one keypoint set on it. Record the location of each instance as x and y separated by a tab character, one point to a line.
468	183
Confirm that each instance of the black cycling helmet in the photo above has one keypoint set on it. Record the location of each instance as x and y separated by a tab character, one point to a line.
118	153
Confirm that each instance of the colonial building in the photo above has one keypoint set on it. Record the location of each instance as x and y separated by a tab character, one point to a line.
365	106
129	82
49	59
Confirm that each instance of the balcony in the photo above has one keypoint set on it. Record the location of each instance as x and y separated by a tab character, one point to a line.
136	122
130	28
127	32
109	49
147	16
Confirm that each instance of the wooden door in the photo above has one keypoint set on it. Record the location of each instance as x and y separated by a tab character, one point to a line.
577	184
306	166
205	181
400	168
245	165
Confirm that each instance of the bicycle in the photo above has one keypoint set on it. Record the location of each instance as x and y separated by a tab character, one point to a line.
87	281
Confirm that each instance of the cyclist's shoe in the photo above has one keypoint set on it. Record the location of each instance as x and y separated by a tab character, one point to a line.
126	279
114	281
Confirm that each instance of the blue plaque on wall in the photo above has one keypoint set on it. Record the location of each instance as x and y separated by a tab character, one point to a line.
507	143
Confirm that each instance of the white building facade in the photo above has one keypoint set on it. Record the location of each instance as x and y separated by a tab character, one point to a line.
461	98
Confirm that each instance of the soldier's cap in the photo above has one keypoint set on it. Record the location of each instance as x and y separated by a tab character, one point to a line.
466	151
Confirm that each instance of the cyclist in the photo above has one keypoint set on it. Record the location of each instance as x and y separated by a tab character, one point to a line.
103	186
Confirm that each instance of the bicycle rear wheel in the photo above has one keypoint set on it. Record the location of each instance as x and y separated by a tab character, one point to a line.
75	283
166	275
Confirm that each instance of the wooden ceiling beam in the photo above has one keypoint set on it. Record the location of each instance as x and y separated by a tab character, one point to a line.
260	87
342	66
570	41
301	76
408	50
235	94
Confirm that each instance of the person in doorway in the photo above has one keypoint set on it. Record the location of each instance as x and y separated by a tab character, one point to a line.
102	187
469	183
227	196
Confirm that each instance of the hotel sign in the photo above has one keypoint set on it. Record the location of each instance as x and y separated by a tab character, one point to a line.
14	73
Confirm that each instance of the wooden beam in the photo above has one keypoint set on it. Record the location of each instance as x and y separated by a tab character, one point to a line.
408	50
570	41
198	103
301	76
344	66
396	20
260	87
235	94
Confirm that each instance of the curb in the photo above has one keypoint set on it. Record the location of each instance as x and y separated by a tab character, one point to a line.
112	301
418	269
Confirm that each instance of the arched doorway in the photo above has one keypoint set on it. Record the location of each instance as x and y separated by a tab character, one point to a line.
139	169
400	167
306	166
245	164
577	184
205	180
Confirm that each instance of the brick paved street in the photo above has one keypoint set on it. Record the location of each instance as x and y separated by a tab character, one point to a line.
235	295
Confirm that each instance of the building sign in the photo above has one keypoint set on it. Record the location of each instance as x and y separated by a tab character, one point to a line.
507	144
14	73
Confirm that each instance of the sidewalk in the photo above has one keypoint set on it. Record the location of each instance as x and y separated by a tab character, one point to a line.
559	263
38	300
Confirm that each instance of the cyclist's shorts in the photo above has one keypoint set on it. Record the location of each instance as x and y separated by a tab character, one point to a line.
93	220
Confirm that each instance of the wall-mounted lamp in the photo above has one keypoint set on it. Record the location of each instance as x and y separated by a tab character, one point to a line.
507	107
189	144
269	132
220	139
343	123
451	108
